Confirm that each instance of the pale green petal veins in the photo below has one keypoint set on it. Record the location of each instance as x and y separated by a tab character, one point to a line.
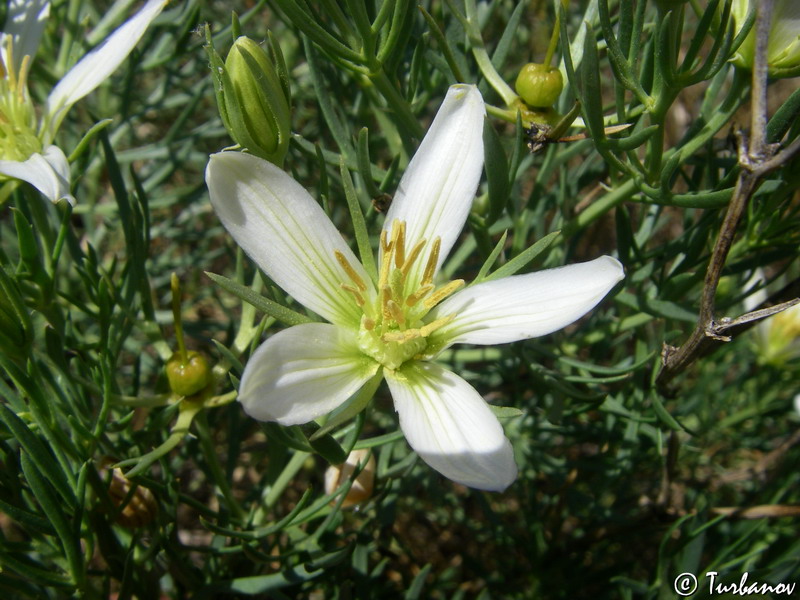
280	226
94	68
302	373
451	427
436	192
525	306
24	25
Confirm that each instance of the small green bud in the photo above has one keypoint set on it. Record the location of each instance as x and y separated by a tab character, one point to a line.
189	377
783	44
253	97
539	85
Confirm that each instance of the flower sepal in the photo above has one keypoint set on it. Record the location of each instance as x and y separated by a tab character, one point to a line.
253	97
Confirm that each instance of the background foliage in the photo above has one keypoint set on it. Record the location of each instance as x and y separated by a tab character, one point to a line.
625	481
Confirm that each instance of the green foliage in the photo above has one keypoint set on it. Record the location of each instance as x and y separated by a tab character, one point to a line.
635	467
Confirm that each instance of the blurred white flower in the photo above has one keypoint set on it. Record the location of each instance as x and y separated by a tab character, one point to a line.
778	336
26	137
397	323
783	46
361	489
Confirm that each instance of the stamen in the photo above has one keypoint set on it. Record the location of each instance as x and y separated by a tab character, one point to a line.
351	272
386	267
443	293
396	283
385	243
419	294
412	256
433	259
368	323
358	297
22	77
399	228
386	297
400	336
428	329
397	314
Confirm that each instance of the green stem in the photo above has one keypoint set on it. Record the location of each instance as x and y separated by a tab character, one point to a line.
175	286
396	102
287	475
551	48
485	65
217	473
597	209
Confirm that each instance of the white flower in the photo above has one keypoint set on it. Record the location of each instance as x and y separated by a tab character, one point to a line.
398	320
777	336
26	139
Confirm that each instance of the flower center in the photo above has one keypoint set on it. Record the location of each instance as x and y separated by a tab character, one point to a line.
18	124
393	326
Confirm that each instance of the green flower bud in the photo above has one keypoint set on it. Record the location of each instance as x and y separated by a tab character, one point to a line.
190	377
783	45
253	97
539	85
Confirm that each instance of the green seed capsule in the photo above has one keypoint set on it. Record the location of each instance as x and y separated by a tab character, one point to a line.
189	378
539	85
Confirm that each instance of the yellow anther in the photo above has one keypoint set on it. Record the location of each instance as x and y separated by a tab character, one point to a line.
386	267
400	336
385	243
443	293
356	294
433	259
22	77
396	312
351	272
386	297
368	324
412	256
399	238
428	329
419	294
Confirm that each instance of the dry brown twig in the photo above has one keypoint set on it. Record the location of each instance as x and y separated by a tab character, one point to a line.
757	159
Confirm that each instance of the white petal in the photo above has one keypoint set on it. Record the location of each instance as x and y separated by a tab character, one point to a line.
280	226
526	306
24	24
48	173
94	68
302	373
451	427
436	192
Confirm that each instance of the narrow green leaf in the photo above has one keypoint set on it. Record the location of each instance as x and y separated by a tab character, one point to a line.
265	305
506	412
524	257
497	176
42	489
359	224
38	453
416	587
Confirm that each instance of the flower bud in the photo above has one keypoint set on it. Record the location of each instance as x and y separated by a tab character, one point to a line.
783	45
539	85
186	378
253	98
361	490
